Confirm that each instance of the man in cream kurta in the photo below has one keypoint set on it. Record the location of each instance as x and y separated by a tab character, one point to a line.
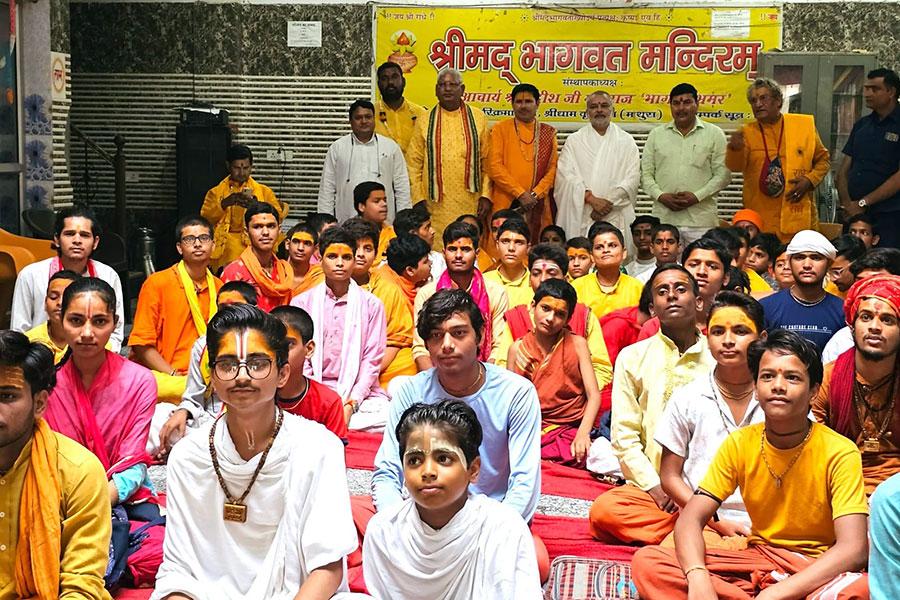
598	174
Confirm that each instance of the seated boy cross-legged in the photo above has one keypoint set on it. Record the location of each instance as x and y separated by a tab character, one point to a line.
701	414
802	484
258	501
558	363
444	543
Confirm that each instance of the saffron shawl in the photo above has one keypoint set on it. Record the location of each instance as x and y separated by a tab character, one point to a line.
434	156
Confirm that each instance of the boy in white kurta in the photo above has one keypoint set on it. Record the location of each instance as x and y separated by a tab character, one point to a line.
443	543
257	499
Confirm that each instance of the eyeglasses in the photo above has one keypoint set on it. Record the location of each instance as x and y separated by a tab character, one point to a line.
257	367
190	240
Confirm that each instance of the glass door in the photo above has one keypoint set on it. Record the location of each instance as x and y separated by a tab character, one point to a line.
10	155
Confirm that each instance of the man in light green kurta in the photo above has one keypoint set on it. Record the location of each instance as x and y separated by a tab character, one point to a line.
683	167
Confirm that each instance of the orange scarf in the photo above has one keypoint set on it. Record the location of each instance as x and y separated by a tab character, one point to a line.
313	277
38	549
280	286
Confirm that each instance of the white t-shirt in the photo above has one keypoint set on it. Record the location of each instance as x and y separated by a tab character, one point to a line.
694	424
840	342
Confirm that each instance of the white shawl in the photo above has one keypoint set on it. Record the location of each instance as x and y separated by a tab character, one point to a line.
608	165
298	515
313	301
484	552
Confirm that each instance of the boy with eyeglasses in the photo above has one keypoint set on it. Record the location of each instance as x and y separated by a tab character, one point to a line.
261	494
173	308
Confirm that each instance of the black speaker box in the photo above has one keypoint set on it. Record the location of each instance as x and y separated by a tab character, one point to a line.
200	151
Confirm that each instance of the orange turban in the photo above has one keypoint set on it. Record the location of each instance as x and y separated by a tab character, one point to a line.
745	214
883	286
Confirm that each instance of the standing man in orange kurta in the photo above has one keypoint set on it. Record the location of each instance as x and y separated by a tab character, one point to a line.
522	162
173	308
225	204
782	159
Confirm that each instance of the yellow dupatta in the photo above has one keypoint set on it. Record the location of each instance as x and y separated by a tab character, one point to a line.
194	301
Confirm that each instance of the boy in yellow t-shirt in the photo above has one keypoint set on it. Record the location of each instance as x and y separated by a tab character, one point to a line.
803	488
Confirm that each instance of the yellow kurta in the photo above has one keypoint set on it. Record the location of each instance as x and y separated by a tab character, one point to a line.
399	318
456	200
84	514
398	124
41	334
512	165
757	283
626	292
517	290
228	224
802	154
384	238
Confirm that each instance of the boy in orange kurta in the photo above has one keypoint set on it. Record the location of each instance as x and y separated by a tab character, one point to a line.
804	161
522	162
558	363
173	308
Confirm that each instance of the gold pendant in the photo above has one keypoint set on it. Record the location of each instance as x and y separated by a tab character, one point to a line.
235	512
871	445
778	482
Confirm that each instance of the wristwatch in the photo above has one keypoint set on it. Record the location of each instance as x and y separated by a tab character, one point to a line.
863	203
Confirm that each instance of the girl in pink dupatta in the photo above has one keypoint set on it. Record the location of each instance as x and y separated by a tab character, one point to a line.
105	403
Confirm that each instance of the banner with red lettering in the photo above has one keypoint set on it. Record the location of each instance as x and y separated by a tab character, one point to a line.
636	54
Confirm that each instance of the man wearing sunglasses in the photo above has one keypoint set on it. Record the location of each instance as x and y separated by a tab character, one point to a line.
173	308
259	493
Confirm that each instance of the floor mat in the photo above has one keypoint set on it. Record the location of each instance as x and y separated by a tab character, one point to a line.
361	449
570	482
570	536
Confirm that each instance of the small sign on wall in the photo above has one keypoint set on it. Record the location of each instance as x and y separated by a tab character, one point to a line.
304	34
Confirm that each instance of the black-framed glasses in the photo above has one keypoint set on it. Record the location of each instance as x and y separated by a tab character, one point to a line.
190	240
257	367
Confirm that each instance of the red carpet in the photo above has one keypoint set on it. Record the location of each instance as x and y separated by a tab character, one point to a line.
570	482
133	594
568	535
361	449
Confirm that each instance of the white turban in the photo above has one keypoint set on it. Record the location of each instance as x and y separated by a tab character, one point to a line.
811	241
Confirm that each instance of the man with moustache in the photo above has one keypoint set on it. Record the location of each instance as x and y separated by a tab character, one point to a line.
683	167
598	173
859	390
395	116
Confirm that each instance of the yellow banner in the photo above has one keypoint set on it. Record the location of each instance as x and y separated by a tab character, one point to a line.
636	54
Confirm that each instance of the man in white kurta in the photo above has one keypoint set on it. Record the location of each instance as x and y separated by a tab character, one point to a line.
485	552
598	174
359	156
76	240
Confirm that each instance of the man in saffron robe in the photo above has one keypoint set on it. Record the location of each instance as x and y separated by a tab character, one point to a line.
350	335
224	206
397	358
173	308
460	248
448	156
558	363
782	159
598	173
858	394
272	277
522	162
54	503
